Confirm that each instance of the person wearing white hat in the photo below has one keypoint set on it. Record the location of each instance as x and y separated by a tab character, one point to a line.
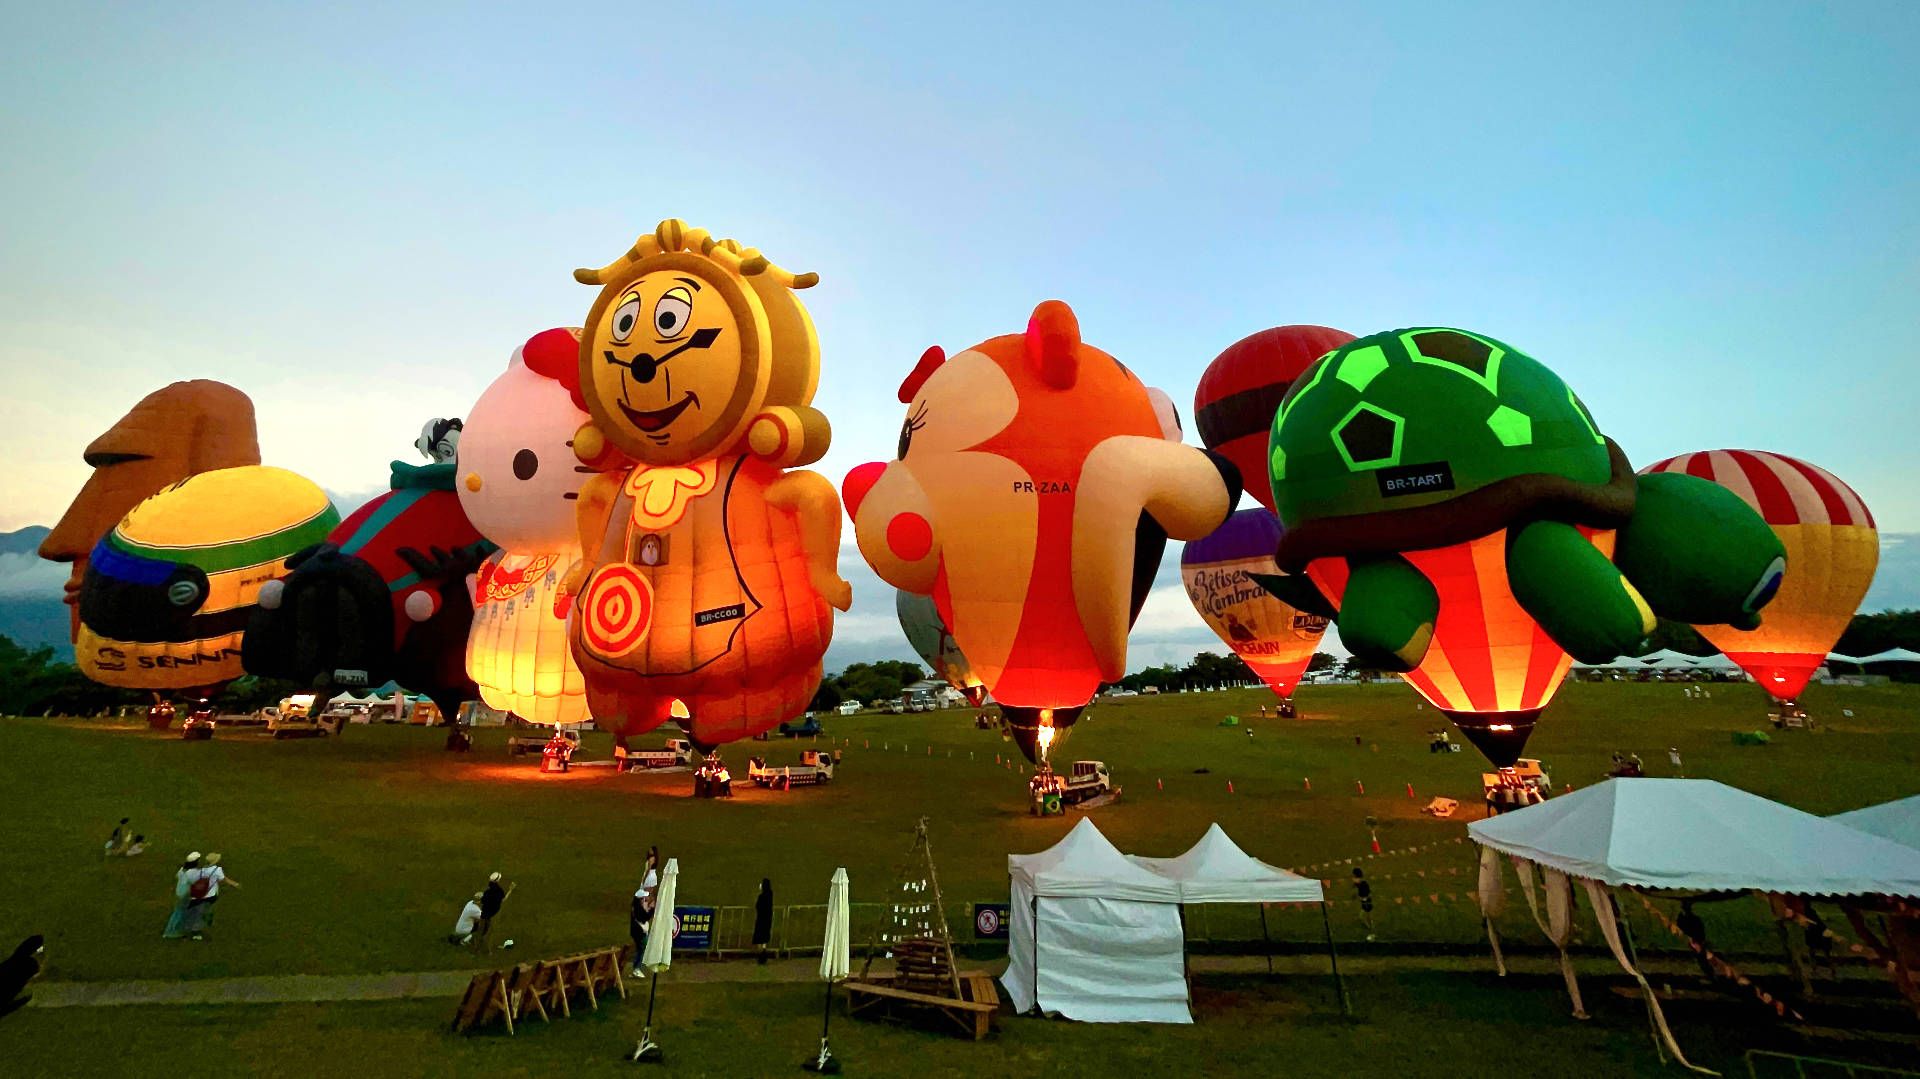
490	901
183	879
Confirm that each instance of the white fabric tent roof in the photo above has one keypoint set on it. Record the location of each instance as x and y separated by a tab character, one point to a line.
1086	863
1892	655
1673	663
1699	835
1897	820
1716	662
1664	654
1216	870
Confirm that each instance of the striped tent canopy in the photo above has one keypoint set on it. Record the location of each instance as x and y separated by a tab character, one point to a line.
1832	550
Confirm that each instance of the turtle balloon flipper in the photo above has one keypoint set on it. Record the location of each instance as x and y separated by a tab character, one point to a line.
1387	614
1699	553
1575	593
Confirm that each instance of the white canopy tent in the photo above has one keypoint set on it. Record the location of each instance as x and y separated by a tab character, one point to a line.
1698	835
1216	870
1667	656
1093	936
1689	836
1891	655
1897	820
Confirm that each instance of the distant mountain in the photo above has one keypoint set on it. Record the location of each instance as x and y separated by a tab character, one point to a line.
31	612
25	541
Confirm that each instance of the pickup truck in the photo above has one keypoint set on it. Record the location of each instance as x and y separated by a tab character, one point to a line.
806	728
678	753
1050	792
295	719
814	767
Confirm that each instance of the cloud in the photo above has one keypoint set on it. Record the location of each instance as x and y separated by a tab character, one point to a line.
1896	584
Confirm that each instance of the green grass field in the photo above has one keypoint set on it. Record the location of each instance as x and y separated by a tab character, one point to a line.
355	855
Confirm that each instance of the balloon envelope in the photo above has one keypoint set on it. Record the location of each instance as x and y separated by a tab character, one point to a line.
1275	639
168	592
1832	547
934	643
1242	388
1490	667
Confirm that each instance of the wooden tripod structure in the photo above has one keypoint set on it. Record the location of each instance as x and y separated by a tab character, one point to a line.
925	958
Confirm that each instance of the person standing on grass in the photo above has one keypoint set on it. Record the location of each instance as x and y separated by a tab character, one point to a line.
468	922
763	919
183	881
17	970
639	917
200	909
490	900
1689	923
1364	891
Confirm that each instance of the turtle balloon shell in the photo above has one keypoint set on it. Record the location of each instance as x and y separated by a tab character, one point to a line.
1465	429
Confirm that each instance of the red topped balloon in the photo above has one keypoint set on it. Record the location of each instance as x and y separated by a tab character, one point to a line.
1241	390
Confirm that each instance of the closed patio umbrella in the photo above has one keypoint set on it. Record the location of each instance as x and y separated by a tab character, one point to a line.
658	955
835	961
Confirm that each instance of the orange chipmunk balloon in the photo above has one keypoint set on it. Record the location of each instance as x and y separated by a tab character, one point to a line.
710	572
1035	485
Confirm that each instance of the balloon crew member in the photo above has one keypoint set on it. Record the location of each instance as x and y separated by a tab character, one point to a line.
490	901
1364	892
1688	922
468	923
17	970
118	840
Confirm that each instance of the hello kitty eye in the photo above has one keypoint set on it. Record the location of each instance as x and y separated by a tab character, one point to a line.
525	464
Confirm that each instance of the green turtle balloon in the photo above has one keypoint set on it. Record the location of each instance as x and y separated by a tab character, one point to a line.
1451	503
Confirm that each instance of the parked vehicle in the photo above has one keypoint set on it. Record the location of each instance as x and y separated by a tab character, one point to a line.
678	752
296	718
1052	792
806	728
815	767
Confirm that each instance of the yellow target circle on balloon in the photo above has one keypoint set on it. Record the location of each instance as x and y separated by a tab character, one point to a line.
617	611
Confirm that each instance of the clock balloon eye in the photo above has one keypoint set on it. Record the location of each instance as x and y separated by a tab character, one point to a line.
525	464
624	318
670	315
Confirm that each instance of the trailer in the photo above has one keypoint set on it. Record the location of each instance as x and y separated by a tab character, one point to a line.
815	767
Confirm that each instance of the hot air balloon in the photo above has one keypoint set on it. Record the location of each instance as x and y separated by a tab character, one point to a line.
168	592
1452	503
172	433
383	598
518	485
933	642
713	562
1242	388
1034	488
1274	639
1832	550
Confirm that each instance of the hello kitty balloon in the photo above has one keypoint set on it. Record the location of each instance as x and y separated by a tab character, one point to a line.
518	484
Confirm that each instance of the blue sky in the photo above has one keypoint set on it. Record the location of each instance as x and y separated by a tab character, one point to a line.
1705	216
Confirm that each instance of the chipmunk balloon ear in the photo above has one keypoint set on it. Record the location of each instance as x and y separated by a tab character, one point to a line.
1053	344
930	361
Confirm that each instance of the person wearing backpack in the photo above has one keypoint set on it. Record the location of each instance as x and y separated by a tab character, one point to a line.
183	880
203	892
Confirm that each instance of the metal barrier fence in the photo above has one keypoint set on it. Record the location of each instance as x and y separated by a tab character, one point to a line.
1765	1063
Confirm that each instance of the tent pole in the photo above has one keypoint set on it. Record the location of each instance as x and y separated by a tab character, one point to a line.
1333	956
1038	1010
1265	940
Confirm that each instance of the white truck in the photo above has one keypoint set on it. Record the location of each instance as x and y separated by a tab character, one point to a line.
678	753
815	767
295	718
1051	793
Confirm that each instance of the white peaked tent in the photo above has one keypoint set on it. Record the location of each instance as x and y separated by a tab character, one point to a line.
1676	835
1897	820
1891	655
1094	937
1668	657
1697	835
1216	870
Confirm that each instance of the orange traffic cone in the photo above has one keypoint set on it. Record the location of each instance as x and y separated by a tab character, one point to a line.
1359	787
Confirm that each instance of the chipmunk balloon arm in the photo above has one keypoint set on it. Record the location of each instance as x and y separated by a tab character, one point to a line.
1124	476
813	501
